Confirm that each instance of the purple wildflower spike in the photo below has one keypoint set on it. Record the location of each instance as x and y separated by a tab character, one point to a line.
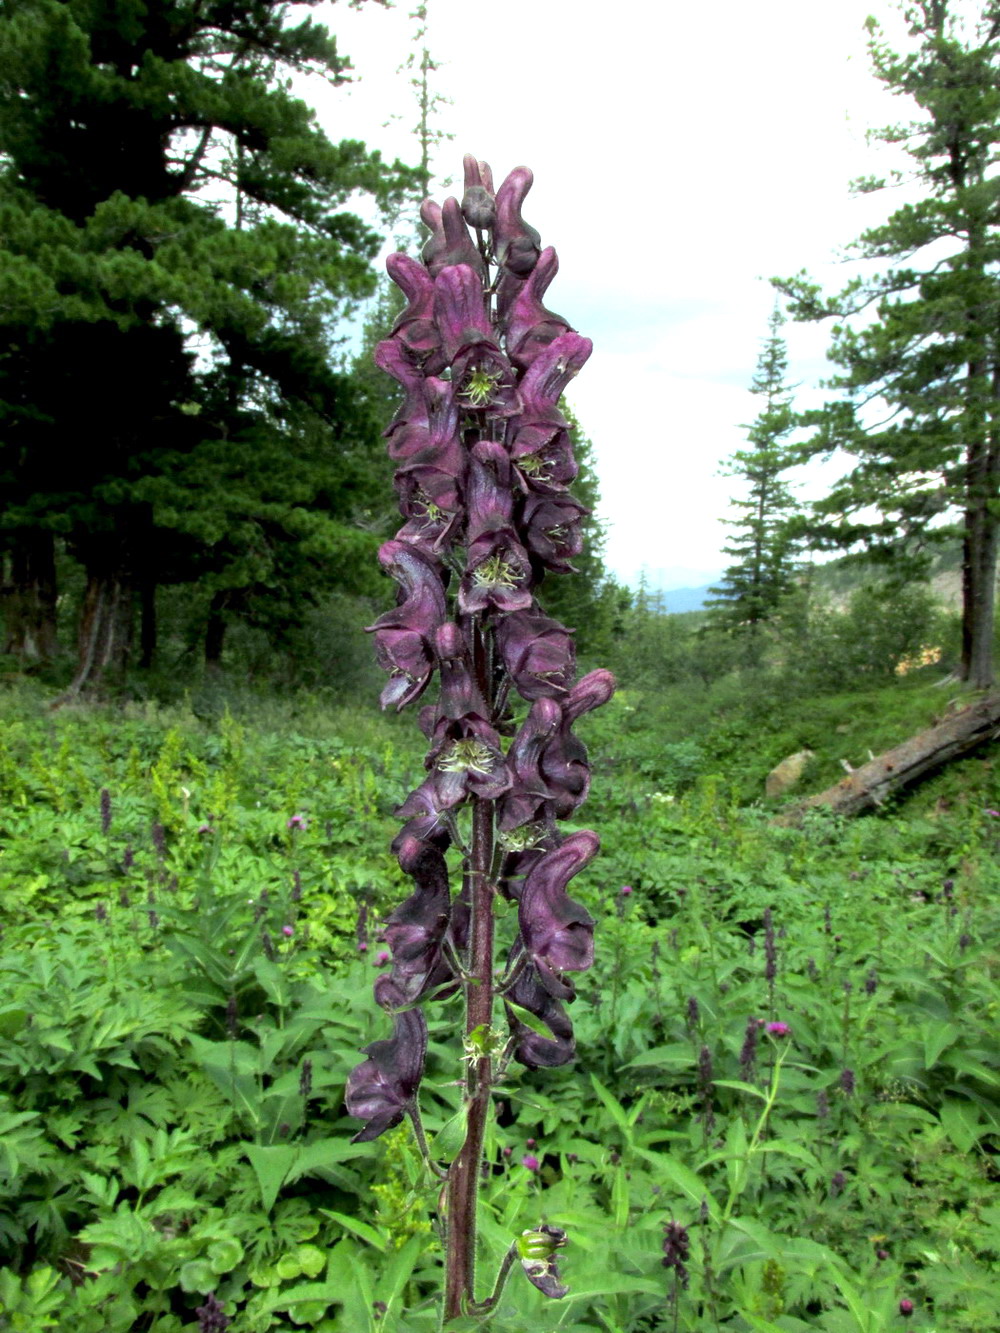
478	203
558	933
516	245
449	242
483	458
380	1089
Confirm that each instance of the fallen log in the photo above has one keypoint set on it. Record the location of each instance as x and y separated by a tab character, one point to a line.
868	786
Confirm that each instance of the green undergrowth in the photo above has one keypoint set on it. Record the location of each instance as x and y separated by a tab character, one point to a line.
185	980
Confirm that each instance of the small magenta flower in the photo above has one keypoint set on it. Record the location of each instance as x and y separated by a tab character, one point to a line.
625	890
906	1306
298	822
778	1029
205	828
288	931
529	1162
993	814
382	957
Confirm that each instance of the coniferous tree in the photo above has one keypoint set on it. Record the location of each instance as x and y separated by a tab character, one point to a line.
921	412
762	548
144	334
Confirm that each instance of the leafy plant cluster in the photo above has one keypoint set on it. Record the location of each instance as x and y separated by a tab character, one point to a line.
784	1115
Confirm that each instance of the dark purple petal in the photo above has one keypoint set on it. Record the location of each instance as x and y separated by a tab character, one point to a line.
528	325
478	205
449	242
404	636
525	801
415	930
590	691
558	933
415	327
551	524
379	1090
516	245
532	1049
460	311
538	653
432	423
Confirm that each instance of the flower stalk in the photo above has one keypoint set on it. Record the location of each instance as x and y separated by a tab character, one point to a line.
484	461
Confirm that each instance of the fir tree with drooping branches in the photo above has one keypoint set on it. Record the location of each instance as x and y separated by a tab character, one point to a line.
762	546
918	345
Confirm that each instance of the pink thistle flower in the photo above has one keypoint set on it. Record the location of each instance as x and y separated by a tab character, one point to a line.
382	957
778	1029
362	947
625	890
906	1306
529	1162
205	828
288	931
298	822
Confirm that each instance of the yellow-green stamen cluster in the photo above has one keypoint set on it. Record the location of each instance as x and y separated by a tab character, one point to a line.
467	756
496	572
480	386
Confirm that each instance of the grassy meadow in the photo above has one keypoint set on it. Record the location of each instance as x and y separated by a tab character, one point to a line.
788	1066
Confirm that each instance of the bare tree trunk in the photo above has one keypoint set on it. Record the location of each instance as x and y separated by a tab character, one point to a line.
104	636
979	565
30	599
215	631
868	786
147	621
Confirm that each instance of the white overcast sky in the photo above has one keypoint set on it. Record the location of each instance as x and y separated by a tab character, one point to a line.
683	154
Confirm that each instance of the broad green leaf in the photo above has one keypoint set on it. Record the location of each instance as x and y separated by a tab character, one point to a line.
739	1086
271	1165
359	1228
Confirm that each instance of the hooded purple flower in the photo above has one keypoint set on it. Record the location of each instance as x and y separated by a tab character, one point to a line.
478	203
515	244
483	377
498	571
531	1049
379	1089
449	242
541	388
552	530
404	636
416	929
529	327
538	652
558	934
415	327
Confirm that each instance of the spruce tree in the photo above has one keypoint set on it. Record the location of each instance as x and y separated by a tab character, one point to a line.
761	547
177	252
919	344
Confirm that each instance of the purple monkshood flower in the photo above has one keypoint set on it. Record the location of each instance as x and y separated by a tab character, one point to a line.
847	1081
558	934
380	1089
516	244
478	202
105	810
778	1029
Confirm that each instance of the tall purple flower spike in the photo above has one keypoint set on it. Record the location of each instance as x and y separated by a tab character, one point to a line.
484	459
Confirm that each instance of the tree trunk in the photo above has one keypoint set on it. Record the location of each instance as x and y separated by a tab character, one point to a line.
215	631
147	621
30	599
868	786
104	636
979	564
